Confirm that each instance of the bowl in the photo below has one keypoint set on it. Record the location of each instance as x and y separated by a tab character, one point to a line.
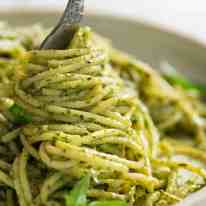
147	42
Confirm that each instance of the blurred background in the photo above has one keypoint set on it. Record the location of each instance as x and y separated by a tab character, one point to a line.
185	16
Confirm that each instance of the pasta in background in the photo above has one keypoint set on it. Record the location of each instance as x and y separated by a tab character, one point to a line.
91	109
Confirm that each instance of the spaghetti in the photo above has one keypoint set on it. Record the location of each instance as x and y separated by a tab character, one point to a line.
91	109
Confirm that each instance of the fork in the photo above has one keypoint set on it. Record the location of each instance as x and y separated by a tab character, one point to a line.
62	34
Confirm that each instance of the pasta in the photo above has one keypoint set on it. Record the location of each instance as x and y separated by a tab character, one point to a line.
91	109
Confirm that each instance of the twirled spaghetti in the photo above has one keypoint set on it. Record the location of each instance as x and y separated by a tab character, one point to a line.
91	109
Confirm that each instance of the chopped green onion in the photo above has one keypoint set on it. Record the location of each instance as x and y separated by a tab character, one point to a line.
108	203
78	195
20	116
175	78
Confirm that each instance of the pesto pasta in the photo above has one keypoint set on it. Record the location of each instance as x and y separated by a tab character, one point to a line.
93	110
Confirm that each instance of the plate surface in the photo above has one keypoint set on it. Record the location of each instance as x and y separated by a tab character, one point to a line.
146	42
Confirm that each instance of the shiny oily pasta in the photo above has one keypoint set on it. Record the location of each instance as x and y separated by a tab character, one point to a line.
92	109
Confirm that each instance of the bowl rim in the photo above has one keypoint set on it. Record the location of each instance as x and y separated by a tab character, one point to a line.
170	30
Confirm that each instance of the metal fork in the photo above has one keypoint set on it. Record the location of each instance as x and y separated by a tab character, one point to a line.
62	34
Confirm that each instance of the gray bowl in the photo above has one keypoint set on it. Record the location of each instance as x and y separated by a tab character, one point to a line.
147	42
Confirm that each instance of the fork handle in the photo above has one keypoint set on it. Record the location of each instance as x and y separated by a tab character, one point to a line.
73	12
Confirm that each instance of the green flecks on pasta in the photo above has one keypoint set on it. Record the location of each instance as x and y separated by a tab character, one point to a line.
91	109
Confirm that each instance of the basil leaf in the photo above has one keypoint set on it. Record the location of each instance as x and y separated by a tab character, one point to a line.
20	116
175	78
109	203
179	80
78	195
